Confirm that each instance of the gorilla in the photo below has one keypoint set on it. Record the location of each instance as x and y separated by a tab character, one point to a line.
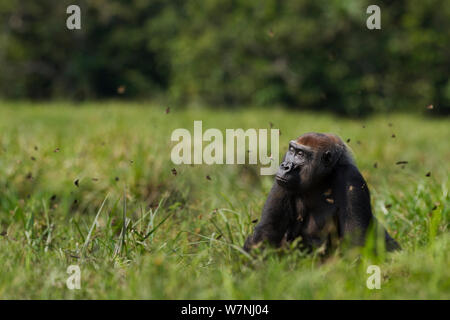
318	195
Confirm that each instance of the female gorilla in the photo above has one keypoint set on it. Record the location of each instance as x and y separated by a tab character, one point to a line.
320	195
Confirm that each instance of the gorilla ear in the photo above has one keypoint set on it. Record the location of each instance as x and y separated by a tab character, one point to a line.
326	157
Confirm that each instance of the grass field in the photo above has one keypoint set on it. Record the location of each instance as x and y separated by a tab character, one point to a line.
184	232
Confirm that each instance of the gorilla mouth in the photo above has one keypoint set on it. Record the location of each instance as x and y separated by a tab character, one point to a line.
281	179
289	184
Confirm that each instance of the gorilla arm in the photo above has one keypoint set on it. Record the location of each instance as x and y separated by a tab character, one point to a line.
275	219
355	212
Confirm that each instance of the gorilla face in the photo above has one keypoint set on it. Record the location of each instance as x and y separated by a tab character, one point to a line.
296	161
303	166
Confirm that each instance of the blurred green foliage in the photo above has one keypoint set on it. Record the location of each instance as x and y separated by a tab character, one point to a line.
304	54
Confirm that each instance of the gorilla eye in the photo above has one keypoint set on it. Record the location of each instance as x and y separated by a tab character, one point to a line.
300	153
291	149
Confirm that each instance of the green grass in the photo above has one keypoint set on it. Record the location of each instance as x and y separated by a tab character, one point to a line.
183	234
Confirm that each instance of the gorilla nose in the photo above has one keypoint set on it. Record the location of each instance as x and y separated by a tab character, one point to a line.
286	166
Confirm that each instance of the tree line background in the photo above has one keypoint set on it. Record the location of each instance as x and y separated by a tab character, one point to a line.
315	55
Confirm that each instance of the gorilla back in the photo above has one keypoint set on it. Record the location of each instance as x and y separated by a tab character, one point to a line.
318	194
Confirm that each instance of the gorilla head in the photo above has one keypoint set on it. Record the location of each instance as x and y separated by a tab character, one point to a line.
309	160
